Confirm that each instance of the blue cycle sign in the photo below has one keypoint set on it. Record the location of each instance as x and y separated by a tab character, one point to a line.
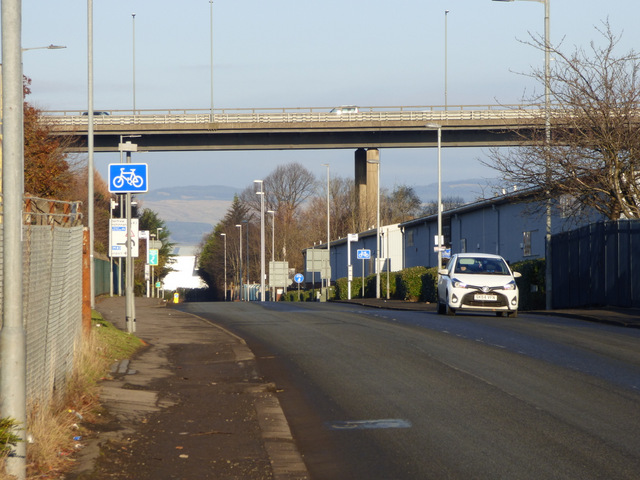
128	177
364	254
298	278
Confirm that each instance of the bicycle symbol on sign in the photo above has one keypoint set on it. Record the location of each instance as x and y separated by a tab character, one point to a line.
130	177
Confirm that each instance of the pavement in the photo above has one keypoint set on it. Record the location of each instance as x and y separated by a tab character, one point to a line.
192	404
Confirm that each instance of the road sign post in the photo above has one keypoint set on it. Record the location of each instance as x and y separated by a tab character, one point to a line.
298	278
364	254
351	237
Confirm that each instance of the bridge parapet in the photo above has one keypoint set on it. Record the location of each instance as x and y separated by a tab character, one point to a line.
312	128
509	114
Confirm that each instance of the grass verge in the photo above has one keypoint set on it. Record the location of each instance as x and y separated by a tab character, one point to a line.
54	429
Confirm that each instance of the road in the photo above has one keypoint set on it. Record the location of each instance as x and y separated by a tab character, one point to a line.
382	394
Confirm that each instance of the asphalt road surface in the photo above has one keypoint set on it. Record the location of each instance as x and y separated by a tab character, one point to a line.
382	394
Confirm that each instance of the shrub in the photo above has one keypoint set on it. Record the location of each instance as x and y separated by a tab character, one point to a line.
429	291
531	284
409	283
341	291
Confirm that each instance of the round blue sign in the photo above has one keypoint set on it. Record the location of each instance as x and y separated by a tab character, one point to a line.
298	278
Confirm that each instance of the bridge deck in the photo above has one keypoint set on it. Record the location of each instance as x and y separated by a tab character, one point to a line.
258	130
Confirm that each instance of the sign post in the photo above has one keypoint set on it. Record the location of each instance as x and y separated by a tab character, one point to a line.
351	237
128	179
298	278
364	254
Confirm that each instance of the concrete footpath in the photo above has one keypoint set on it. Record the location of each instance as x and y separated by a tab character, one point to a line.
190	405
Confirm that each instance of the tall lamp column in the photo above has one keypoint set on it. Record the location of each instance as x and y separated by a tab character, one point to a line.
224	235
262	269
239	225
438	243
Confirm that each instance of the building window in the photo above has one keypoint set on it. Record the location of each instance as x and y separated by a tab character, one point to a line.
463	245
526	244
410	238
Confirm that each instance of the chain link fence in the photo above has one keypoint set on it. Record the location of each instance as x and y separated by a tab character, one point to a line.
52	294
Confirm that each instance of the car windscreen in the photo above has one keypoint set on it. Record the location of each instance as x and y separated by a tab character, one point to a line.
492	266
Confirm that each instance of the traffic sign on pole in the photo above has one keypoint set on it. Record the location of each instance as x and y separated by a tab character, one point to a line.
364	253
128	177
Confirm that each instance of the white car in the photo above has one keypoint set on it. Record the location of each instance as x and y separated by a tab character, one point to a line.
478	282
344	110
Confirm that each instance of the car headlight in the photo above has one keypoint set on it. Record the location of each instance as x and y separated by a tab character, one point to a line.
510	286
458	283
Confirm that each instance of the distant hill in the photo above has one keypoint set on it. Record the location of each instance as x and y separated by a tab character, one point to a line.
470	190
190	211
199	192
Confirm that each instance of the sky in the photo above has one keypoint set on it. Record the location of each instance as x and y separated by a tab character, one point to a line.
296	53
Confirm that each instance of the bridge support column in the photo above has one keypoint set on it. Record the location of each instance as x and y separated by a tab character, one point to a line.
367	163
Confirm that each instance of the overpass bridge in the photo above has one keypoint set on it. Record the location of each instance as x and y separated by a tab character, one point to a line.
366	131
300	128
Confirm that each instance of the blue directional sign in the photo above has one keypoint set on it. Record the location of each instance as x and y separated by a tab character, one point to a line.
128	177
298	278
364	254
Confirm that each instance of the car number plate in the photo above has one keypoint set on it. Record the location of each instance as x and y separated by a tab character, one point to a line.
485	298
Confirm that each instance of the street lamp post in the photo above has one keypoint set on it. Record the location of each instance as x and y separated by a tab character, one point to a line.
246	247
211	60
446	16
273	251
377	162
133	23
328	230
547	132
130	316
239	225
224	235
262	269
434	126
13	346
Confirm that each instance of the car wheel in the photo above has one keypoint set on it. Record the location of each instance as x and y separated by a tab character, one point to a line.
441	308
513	314
449	311
499	314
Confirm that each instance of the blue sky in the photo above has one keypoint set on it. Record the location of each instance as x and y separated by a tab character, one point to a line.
293	53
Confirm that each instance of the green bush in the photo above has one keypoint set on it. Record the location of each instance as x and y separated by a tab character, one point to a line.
429	291
342	288
531	284
409	283
392	284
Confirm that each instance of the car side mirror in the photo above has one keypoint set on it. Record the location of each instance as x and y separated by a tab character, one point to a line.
443	271
517	274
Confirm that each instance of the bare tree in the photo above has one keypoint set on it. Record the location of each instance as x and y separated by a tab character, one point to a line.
593	159
448	203
286	189
401	205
